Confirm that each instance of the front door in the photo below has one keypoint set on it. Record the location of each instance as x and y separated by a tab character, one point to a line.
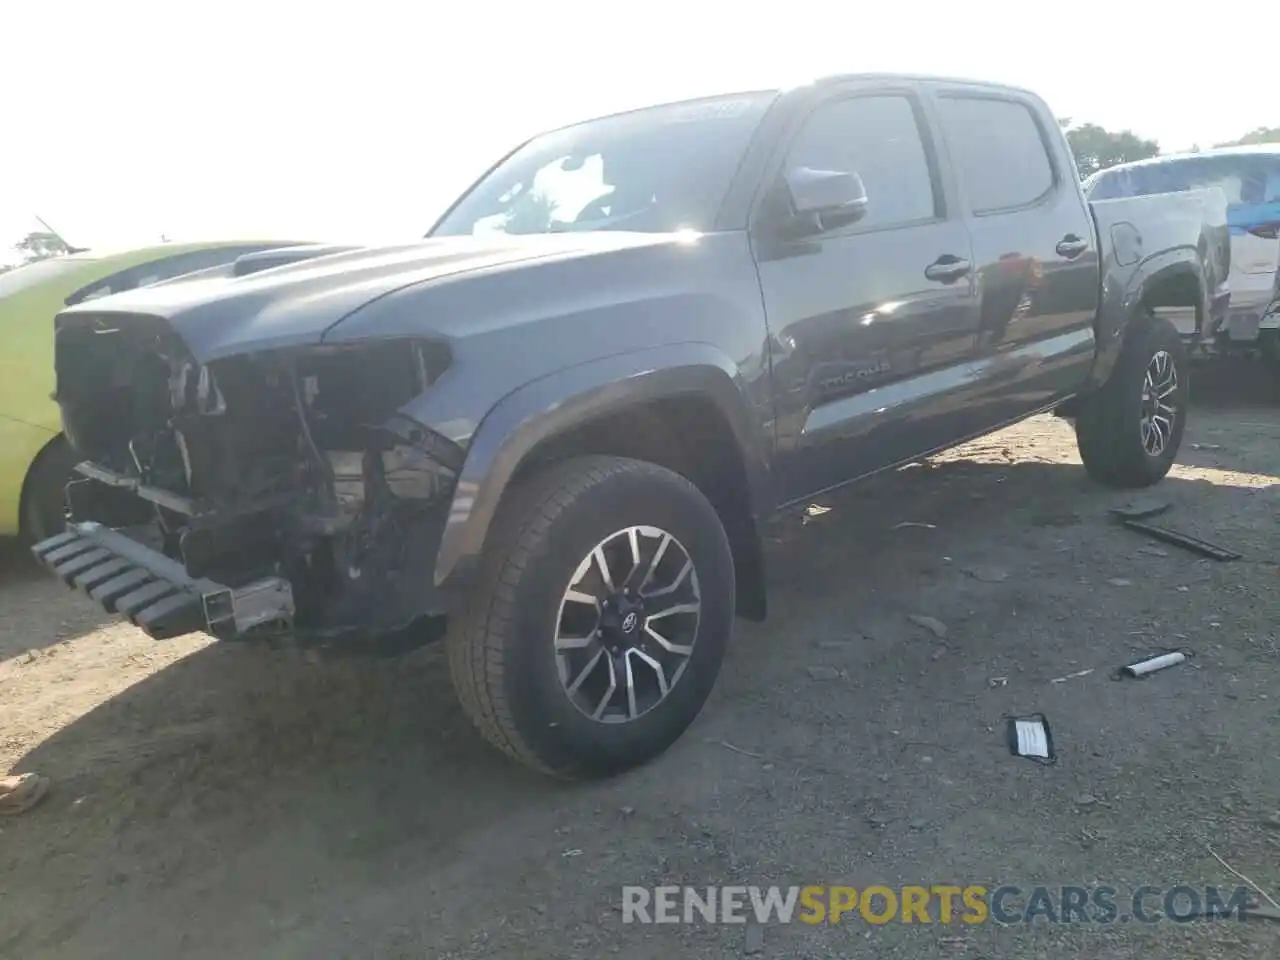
872	322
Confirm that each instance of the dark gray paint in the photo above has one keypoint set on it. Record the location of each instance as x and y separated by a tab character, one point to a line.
546	332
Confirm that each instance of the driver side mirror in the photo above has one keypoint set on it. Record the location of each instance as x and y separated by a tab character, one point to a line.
824	199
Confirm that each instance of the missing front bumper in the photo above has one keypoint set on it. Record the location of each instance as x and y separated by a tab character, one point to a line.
155	592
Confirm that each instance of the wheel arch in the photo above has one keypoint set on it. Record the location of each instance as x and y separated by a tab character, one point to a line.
1172	278
680	406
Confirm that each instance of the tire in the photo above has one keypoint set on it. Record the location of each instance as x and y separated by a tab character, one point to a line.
44	495
510	672
1114	428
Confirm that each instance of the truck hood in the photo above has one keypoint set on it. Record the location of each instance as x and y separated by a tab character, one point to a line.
299	303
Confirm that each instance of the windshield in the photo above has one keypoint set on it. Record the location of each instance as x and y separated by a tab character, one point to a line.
655	170
29	274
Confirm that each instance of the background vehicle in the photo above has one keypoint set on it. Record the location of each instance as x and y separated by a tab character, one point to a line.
562	421
1249	177
35	461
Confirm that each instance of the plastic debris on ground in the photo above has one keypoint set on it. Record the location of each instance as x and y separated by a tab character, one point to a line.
1030	737
1149	666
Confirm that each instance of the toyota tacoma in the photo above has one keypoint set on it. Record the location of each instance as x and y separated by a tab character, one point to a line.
558	426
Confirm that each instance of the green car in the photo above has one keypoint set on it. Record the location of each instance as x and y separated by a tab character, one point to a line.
35	460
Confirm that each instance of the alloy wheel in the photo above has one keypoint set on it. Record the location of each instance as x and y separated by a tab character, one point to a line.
1159	410
627	624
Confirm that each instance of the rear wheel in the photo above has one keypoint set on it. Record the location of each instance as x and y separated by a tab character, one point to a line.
601	617
1129	431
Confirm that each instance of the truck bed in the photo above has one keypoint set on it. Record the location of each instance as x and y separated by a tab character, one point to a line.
1138	234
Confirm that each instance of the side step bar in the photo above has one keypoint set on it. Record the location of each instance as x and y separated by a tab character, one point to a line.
155	592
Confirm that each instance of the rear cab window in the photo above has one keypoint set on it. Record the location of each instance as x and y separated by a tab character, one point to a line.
998	151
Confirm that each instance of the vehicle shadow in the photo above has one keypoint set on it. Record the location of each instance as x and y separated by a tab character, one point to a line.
36	610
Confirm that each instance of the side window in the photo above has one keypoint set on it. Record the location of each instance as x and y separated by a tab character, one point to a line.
1104	186
998	151
877	137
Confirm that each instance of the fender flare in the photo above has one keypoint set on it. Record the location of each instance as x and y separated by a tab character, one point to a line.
1120	308
544	408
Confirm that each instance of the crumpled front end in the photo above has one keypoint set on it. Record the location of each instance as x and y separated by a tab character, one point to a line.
274	491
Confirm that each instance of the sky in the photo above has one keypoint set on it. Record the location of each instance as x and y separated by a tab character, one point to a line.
127	120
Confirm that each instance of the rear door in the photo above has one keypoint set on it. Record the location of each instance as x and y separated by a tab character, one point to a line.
870	320
1034	245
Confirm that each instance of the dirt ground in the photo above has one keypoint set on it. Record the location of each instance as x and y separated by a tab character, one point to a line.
220	801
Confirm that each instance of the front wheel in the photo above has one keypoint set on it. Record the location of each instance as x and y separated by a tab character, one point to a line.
1129	431
601	617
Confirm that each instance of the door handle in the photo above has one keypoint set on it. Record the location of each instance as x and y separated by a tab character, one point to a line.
1071	246
948	268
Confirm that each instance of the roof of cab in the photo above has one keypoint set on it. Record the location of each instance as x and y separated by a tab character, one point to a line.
813	81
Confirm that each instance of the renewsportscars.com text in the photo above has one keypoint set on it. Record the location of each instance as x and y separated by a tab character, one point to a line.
936	903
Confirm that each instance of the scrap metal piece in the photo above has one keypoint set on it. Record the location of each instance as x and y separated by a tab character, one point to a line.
233	612
1141	508
1183	540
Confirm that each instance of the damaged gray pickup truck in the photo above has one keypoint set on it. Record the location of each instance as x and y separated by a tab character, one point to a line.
559	425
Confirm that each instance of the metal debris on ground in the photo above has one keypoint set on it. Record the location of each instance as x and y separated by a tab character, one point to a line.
1120	582
1146	667
20	792
933	625
1030	737
1072	676
1194	544
913	523
812	512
